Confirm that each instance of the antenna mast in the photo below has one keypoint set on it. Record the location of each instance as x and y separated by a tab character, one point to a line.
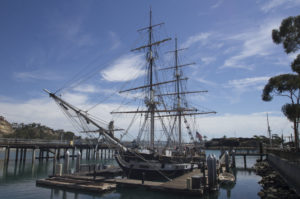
269	130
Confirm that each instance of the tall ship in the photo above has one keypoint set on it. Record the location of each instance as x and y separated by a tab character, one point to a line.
159	151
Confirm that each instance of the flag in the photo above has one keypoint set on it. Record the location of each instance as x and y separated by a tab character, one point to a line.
199	136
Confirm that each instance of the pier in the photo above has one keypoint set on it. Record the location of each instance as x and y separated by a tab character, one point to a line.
47	149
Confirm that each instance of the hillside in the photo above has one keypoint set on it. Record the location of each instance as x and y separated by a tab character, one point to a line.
31	131
5	127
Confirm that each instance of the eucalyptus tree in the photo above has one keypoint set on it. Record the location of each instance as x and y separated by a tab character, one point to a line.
287	85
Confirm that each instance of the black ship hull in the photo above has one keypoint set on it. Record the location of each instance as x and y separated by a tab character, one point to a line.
153	170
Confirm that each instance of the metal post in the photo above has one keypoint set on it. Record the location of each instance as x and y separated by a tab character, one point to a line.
227	161
73	153
54	162
215	177
66	162
210	171
80	153
245	161
233	158
78	158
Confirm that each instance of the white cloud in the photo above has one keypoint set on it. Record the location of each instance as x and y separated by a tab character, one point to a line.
76	99
254	43
125	68
45	111
273	4
202	37
243	125
36	75
116	43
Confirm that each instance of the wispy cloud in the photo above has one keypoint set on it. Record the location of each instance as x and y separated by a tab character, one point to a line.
253	43
91	89
217	4
36	75
273	4
248	83
208	60
116	43
87	88
72	30
204	81
125	68
201	37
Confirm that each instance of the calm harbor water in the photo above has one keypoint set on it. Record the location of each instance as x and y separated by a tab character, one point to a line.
17	181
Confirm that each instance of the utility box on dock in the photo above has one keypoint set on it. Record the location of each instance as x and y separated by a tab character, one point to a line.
196	182
58	170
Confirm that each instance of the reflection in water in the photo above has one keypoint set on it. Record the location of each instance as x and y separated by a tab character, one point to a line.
17	180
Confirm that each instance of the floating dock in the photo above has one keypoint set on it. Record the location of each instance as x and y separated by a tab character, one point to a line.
101	184
81	184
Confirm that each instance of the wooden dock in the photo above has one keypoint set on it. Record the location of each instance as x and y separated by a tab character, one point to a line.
81	184
177	185
100	184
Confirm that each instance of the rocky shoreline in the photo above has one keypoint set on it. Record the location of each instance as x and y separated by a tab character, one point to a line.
273	184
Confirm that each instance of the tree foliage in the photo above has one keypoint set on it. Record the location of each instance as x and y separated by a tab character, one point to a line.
288	34
291	111
296	64
283	85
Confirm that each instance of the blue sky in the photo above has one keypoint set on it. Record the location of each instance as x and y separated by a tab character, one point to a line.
45	44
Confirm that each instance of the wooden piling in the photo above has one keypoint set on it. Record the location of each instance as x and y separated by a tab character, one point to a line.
33	156
17	154
47	155
21	152
24	155
87	154
6	158
58	154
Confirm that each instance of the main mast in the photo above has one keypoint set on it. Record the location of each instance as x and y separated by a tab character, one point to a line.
177	74
152	102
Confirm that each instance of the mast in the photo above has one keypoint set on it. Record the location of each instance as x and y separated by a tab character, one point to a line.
177	74
152	103
269	130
